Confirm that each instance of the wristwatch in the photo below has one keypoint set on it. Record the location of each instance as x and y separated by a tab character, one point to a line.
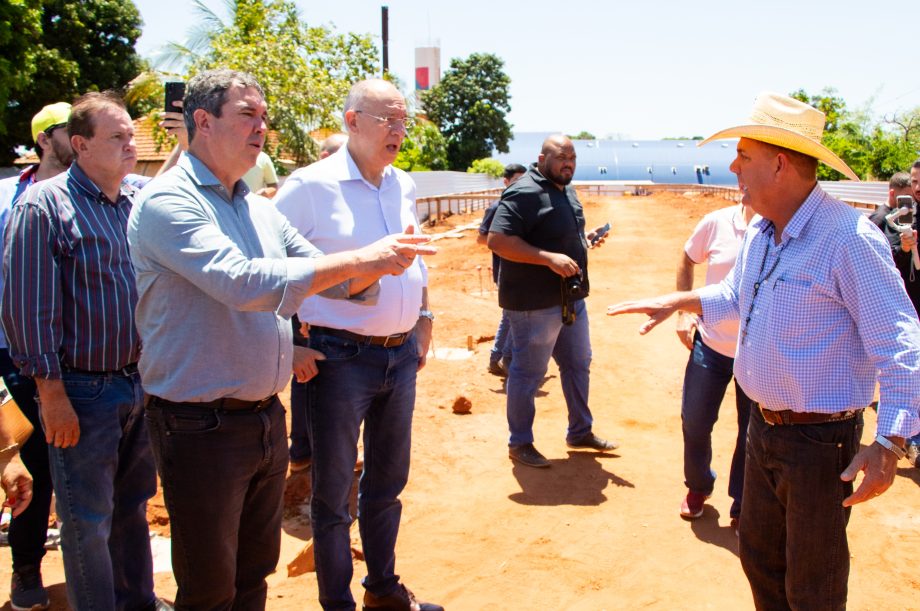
886	443
426	314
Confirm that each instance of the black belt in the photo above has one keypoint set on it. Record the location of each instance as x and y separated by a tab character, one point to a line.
126	371
227	404
787	416
387	341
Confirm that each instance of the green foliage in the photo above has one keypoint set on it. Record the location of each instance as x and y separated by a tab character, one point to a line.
583	135
305	71
52	51
683	138
469	106
492	167
874	150
424	148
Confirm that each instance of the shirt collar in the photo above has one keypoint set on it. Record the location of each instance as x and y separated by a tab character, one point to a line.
807	210
800	218
343	167
738	218
76	174
201	175
28	175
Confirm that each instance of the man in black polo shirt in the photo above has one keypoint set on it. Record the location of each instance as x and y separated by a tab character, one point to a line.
539	231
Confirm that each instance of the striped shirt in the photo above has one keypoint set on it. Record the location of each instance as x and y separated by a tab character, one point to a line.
70	295
830	317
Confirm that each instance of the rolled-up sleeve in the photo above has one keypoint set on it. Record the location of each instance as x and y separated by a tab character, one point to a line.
31	300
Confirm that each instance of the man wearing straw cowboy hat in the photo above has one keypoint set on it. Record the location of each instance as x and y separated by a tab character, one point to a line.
822	309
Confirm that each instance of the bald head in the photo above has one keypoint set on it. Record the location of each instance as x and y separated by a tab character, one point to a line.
557	160
367	92
556	142
331	144
375	117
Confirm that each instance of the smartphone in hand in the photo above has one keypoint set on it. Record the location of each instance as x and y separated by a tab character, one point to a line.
600	233
174	92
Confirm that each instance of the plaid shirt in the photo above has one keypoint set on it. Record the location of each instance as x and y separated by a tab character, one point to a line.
829	317
70	294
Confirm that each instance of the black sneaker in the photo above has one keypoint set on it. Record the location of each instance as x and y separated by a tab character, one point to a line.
591	441
401	599
26	590
528	456
496	369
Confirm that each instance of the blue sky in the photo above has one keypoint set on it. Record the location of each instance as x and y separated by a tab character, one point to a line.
638	70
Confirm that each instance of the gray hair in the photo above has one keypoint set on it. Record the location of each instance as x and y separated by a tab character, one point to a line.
208	91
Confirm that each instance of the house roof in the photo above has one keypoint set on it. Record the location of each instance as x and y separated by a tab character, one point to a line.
148	149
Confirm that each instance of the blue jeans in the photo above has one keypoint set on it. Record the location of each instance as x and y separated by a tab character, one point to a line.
793	540
359	382
29	530
539	334
300	425
705	380
503	342
102	485
223	481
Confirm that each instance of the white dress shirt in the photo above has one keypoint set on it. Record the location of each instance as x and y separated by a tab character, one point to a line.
336	209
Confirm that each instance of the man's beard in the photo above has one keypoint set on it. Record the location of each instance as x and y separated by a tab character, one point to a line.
558	178
63	154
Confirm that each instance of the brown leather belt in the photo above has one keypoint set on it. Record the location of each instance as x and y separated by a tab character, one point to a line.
227	404
387	341
787	416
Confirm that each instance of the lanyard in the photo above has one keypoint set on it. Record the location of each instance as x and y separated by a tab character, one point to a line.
760	282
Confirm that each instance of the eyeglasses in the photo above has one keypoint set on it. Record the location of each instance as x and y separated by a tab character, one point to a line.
391	123
50	129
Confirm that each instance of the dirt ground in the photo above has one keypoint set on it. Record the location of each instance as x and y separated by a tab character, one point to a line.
595	531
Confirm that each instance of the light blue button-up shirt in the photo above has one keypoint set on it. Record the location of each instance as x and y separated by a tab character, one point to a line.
830	316
219	275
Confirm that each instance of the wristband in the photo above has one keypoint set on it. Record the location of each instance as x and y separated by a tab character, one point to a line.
886	443
426	314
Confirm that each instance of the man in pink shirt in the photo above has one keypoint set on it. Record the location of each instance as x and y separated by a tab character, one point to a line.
715	240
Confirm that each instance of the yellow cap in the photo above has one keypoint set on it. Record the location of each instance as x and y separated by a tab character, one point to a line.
49	116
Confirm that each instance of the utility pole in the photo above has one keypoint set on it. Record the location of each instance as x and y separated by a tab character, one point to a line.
385	27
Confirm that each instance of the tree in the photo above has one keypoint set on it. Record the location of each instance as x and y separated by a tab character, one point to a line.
469	106
305	71
872	149
58	51
583	135
489	166
422	149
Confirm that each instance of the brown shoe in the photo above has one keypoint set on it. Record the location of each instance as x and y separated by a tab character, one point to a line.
400	599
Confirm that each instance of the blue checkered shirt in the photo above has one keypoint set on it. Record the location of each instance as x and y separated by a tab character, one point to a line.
829	317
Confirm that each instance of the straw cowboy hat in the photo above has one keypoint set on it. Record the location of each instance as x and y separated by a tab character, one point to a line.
788	123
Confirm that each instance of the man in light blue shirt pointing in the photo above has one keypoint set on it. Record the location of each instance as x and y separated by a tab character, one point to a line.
219	274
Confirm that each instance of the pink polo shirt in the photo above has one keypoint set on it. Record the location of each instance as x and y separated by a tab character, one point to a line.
716	241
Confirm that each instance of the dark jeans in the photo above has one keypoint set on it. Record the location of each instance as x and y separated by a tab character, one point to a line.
223	479
29	529
101	486
300	424
707	375
376	385
793	539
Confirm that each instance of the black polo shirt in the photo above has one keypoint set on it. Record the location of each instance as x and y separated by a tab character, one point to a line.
536	211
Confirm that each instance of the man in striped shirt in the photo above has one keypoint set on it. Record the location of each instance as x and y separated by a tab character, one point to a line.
68	311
